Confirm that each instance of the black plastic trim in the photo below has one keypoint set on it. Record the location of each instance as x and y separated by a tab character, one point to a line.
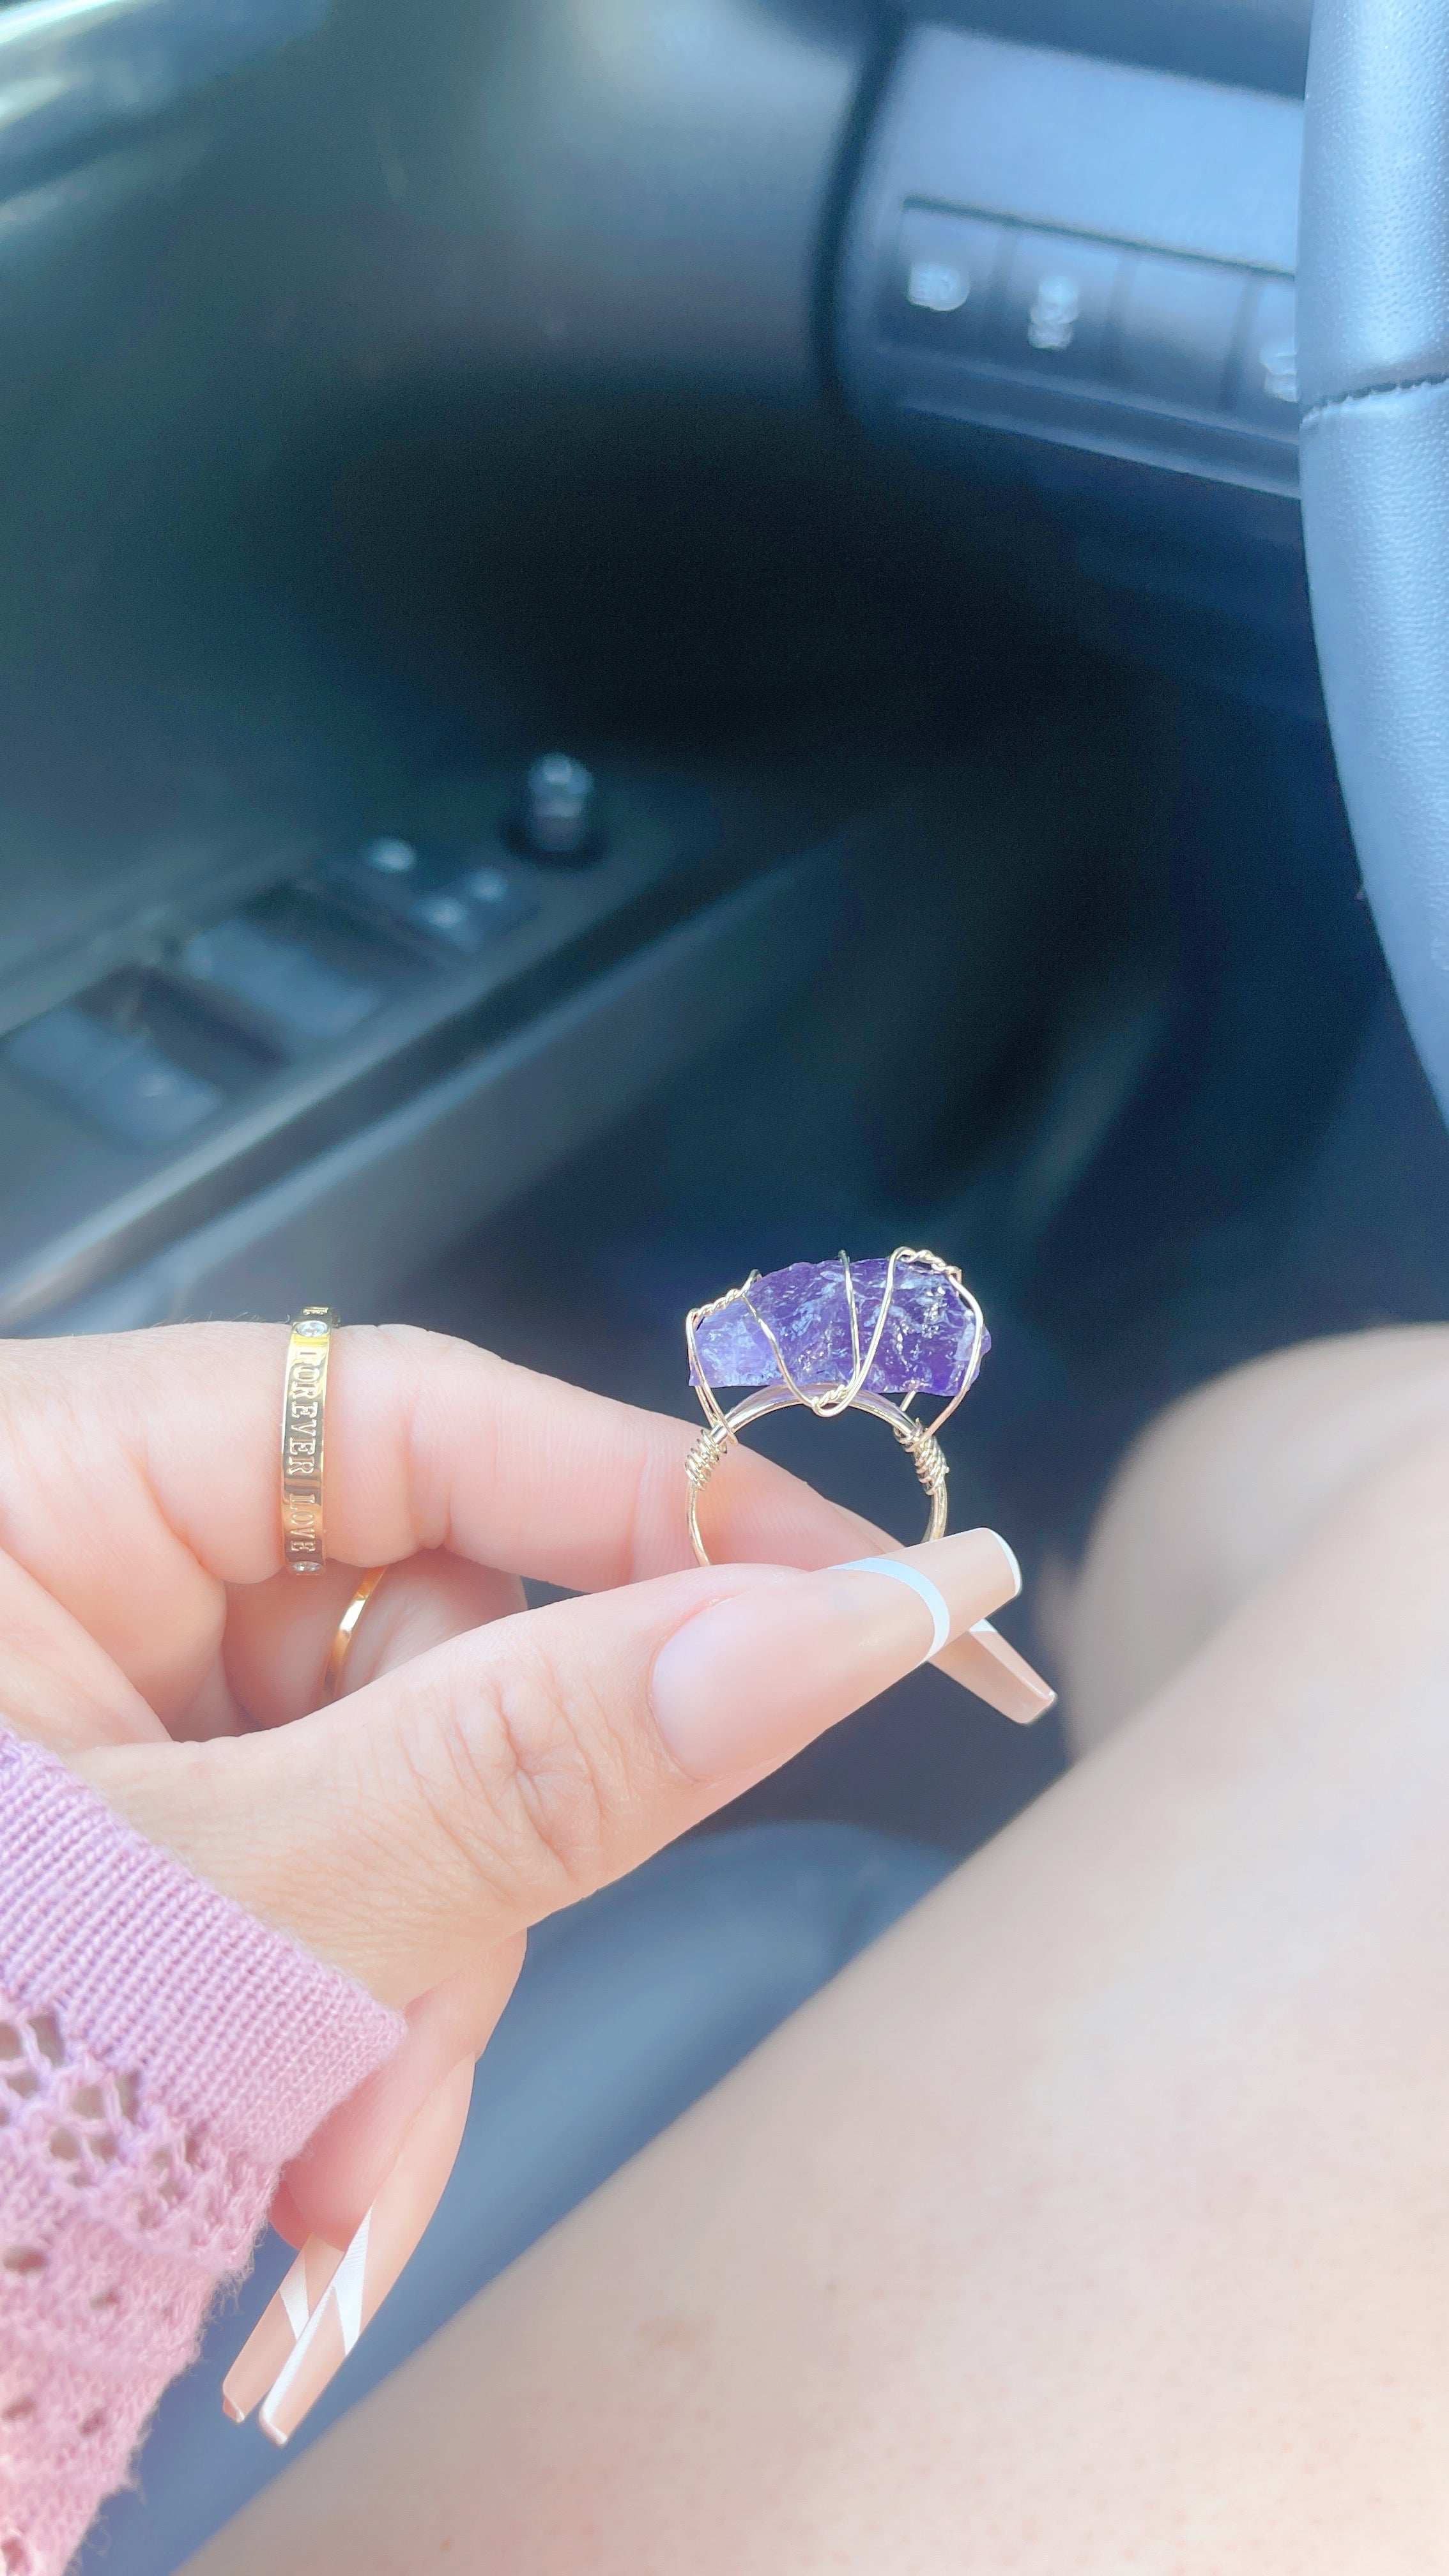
1145	161
1252	44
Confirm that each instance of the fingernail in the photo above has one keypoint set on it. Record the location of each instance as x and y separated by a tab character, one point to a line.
983	1662
362	2275
271	2341
748	1682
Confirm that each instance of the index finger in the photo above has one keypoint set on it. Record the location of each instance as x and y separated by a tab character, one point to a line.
140	1474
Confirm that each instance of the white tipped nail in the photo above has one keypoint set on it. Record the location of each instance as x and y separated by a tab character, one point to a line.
277	2331
922	1586
383	2244
1012	1560
983	1662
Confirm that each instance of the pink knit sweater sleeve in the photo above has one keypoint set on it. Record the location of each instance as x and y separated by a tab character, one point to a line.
161	2056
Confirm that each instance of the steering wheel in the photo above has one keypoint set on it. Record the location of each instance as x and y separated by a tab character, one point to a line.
1373	330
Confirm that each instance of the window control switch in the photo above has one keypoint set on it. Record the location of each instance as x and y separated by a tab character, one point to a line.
303	999
119	1079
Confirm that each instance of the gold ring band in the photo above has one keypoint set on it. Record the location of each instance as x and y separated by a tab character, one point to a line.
927	1455
304	1423
341	1646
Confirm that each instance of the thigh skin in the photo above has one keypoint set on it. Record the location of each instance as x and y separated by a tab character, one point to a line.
1096	2219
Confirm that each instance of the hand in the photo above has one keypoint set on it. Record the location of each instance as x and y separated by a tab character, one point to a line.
487	1767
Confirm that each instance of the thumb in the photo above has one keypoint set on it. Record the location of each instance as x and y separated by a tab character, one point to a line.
464	1795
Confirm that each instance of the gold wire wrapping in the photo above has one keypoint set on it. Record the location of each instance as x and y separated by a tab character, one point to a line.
829	1402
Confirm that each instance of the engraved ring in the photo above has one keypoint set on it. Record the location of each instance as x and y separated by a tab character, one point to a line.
304	1424
868	1336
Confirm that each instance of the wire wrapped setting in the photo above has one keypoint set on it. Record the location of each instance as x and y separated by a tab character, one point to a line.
828	1402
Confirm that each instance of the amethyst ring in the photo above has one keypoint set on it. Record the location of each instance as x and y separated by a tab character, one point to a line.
868	1335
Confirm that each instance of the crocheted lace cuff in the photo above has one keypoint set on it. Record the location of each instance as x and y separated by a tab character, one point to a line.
162	2055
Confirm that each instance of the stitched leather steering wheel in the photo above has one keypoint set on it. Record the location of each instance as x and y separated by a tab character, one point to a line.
1373	314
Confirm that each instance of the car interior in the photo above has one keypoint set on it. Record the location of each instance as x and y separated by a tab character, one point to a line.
647	638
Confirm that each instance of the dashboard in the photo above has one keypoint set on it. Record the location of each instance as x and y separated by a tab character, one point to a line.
1246	44
1089	253
245	246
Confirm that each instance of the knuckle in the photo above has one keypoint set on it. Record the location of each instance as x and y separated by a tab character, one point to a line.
433	1377
524	1779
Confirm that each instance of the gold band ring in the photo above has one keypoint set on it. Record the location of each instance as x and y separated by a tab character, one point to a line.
927	1455
838	1337
341	1646
304	1423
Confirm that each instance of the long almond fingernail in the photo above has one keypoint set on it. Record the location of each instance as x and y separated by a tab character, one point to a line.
985	1662
380	2250
980	1658
272	2340
748	1681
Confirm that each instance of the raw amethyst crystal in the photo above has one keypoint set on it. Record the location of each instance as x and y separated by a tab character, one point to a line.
927	1342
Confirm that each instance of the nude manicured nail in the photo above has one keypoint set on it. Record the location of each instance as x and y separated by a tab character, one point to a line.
271	2341
308	2335
984	1662
748	1682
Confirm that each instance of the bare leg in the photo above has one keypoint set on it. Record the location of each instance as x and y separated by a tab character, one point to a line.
1222	1491
1098	2218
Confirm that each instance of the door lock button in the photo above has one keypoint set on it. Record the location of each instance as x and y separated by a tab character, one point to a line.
560	818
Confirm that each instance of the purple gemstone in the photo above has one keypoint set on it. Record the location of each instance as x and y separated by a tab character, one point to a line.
927	1342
